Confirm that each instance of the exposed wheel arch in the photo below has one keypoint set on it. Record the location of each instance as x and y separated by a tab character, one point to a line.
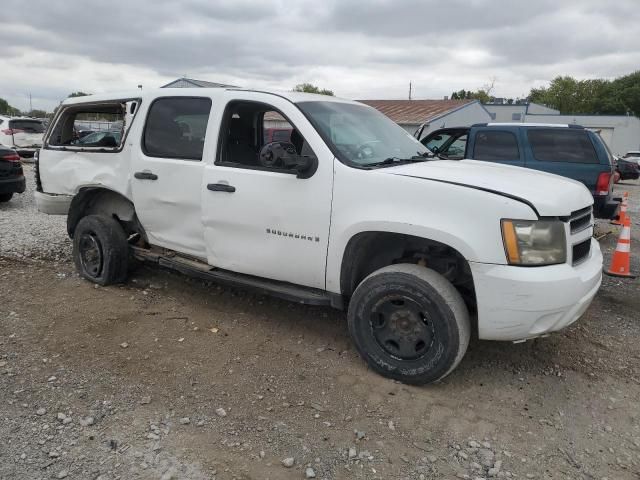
369	251
102	201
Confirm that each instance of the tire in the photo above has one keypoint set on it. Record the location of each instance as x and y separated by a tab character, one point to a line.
100	250
409	323
5	197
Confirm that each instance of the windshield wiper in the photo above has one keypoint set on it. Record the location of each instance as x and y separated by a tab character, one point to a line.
397	160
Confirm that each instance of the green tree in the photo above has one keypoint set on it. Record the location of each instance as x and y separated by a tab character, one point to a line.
7	109
599	96
37	113
78	94
310	88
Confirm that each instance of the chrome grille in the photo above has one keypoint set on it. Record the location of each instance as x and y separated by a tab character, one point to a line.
580	220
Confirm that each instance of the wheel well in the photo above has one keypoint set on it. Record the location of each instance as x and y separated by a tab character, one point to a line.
101	201
369	251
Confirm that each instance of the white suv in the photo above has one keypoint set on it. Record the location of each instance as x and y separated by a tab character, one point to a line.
23	134
350	212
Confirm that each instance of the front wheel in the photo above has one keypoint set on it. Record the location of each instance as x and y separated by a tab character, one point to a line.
5	197
409	323
100	250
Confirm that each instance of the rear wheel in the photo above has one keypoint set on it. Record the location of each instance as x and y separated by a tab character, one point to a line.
5	197
409	323
100	250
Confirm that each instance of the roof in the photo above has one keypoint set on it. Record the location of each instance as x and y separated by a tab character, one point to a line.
151	93
416	111
532	124
191	83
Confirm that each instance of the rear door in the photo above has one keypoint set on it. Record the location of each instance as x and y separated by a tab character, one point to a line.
501	145
167	170
569	152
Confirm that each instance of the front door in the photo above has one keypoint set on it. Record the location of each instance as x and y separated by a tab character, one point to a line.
167	170
259	218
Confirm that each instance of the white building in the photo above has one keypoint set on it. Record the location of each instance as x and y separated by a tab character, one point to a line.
620	132
433	114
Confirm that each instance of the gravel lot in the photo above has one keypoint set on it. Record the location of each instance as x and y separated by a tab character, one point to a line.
171	378
27	233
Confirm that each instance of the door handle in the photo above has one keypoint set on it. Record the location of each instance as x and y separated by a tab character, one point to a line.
221	187
145	175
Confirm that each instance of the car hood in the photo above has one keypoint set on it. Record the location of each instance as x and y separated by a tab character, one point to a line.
550	195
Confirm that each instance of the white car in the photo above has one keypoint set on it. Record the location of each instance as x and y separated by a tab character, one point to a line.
23	134
633	155
350	213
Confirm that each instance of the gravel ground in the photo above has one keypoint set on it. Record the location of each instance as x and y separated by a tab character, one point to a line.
27	233
172	378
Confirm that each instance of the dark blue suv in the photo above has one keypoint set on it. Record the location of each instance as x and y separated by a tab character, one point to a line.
568	150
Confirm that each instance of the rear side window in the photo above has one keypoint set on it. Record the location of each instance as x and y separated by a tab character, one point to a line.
562	145
496	146
176	127
28	126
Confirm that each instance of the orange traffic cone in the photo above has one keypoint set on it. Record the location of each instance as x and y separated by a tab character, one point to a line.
623	210
620	260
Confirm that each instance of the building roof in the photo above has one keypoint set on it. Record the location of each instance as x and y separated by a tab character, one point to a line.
191	83
416	111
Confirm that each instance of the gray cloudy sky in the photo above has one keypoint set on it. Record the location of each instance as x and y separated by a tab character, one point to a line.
358	48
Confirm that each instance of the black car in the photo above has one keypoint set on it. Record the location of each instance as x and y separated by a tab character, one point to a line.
11	174
627	169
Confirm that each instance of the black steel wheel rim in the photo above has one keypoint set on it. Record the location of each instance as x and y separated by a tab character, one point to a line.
91	258
402	327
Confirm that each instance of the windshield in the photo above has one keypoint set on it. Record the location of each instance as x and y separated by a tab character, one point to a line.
361	136
28	126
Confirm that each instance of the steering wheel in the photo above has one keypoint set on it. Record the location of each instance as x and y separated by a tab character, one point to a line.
365	150
273	154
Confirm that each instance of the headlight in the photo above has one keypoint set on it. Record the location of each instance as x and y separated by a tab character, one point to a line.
534	242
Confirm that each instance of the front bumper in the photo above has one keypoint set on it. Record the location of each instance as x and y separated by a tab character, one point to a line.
53	204
13	185
516	303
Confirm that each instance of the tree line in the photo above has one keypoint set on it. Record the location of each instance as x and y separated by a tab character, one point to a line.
620	96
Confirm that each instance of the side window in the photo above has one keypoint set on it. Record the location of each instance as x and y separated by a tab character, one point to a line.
496	146
176	127
516	117
248	126
562	145
91	127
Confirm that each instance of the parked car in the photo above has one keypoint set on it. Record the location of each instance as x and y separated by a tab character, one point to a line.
633	156
568	150
350	213
11	175
626	169
277	135
21	133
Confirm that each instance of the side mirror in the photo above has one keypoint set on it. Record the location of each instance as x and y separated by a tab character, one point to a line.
283	155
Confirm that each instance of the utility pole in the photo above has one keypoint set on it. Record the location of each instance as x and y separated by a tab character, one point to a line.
30	104
409	90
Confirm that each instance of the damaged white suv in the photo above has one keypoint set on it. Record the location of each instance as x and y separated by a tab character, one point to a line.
348	211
